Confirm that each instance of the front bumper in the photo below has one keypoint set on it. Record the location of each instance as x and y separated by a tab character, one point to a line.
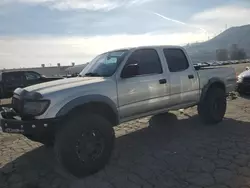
42	128
243	88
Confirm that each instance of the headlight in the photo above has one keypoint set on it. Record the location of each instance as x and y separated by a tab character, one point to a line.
35	108
240	79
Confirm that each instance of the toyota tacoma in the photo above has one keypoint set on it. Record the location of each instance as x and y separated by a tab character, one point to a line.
77	115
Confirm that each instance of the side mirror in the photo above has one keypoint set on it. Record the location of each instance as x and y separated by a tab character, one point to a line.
130	70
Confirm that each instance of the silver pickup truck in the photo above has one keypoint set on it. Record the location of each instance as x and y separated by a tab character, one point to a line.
77	115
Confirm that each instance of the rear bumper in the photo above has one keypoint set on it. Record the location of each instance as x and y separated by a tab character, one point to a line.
37	129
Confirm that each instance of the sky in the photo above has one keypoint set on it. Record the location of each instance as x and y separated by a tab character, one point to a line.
35	32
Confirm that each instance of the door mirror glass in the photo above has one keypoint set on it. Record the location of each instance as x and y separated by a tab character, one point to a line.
130	70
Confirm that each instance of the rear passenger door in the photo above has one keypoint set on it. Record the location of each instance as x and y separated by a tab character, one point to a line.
147	91
184	82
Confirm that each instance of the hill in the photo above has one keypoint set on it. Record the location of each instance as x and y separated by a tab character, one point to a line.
206	51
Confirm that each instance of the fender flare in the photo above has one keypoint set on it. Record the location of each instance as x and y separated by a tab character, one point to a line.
209	84
79	101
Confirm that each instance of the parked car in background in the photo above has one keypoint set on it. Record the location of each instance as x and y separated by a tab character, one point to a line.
11	80
215	63
231	62
75	70
203	64
70	75
226	62
243	82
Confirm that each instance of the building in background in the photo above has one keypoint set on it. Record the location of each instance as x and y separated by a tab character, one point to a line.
222	55
75	70
237	53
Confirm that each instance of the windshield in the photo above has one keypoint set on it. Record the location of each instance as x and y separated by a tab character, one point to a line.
104	65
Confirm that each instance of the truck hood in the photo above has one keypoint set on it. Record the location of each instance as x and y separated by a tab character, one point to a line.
63	84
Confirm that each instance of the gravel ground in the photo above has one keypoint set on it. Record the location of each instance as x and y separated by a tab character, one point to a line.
168	150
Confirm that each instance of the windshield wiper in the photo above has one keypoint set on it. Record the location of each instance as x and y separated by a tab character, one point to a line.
92	74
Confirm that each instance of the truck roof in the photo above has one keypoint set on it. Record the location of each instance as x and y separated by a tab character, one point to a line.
149	46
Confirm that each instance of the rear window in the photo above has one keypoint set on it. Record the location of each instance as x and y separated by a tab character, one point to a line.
176	60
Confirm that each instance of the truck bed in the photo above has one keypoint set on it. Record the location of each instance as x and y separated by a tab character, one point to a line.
225	74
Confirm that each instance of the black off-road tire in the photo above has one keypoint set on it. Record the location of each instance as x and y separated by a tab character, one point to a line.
74	132
212	108
48	143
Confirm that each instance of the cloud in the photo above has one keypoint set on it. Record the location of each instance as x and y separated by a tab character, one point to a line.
89	5
100	25
32	52
215	19
40	20
3	2
179	22
232	13
105	5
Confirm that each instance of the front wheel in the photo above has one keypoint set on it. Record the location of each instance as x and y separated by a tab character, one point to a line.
212	108
84	145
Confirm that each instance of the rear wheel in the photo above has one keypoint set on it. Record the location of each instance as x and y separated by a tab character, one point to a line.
84	145
213	107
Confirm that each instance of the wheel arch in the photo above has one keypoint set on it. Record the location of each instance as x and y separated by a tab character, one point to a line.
98	104
212	83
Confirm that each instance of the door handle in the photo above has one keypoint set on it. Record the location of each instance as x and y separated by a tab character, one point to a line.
162	81
190	76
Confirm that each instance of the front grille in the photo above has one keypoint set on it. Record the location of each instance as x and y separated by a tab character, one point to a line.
16	104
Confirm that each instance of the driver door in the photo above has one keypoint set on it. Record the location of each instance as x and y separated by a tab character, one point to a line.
145	91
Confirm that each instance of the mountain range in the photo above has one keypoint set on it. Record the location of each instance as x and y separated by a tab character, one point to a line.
206	51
